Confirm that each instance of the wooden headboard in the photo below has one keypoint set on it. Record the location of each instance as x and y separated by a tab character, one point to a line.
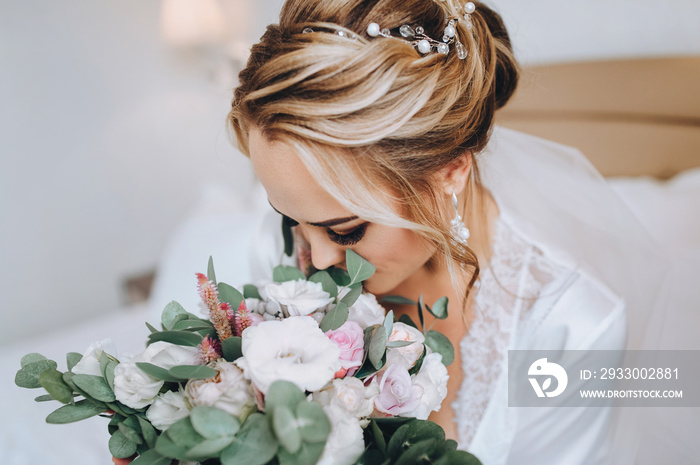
630	117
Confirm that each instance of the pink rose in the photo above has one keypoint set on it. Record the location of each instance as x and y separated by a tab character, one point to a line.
255	319
351	340
397	395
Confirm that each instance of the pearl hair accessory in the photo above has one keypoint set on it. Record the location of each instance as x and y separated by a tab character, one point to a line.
416	35
460	233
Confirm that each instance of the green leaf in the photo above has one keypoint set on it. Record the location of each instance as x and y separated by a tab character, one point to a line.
419	363
214	423
181	338
389	323
359	269
210	270
352	295
283	393
192	325
109	373
183	433
31	358
192	372
72	359
232	348
286	428
170	448
283	273
251	292
420	312
254	444
95	386
52	381
420	451
208	448
158	372
457	457
151	328
120	446
28	375
397	299
288	237
313	422
326	281
148	432
378	436
130	433
309	453
45	398
172	313
405	319
151	457
230	295
439	309
75	412
335	318
395	344
341	277
377	347
440	344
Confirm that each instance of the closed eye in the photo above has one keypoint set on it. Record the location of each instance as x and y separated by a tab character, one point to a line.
349	238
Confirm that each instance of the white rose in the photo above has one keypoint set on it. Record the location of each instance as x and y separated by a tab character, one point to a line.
366	311
299	297
167	355
228	391
90	363
406	355
133	387
294	349
345	442
167	409
349	394
432	377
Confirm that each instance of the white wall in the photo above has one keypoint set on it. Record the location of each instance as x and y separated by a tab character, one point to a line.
106	137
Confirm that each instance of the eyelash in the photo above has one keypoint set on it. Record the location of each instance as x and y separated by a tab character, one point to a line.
351	238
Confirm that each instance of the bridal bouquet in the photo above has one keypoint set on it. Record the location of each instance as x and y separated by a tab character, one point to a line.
295	371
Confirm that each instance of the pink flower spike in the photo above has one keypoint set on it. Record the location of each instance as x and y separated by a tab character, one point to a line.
243	319
207	291
209	350
219	317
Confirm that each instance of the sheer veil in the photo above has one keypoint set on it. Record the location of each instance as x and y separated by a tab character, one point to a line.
560	201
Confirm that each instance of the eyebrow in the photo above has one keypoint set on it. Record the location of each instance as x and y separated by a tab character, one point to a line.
323	224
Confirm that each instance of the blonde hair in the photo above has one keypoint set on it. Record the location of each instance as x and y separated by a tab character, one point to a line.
372	115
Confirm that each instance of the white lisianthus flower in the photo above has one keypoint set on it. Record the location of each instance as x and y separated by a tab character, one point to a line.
351	395
294	349
167	355
432	377
366	311
133	387
90	363
345	443
228	391
167	408
406	355
300	297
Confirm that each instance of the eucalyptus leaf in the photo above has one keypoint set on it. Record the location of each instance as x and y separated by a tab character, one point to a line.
288	237
72	359
151	457
309	453
440	344
359	269
232	348
75	412
95	386
52	381
192	372
183	434
192	325
389	323
405	319
214	423
120	446
45	398
420	313
31	358
151	328
181	338
251	292
109	373
419	363
147	431
377	347
457	457
351	297
230	295
158	372
397	299
208	448
130	433
170	448
378	436
396	344
313	422
341	277
286	428
172	313
254	444
283	273
419	451
439	309
28	375
283	393
326	281
335	317
210	270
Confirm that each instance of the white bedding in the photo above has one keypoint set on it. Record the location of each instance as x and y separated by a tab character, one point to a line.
222	226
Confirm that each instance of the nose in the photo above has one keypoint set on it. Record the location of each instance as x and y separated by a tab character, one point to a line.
324	252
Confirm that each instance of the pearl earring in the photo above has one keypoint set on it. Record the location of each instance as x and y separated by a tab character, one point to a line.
460	233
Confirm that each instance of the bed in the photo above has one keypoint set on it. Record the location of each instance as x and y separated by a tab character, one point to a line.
637	120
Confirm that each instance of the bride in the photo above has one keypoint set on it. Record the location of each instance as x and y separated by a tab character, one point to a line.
371	126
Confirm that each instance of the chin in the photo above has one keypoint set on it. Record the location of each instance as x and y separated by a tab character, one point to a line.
380	287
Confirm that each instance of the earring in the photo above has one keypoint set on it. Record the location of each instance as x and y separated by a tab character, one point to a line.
460	233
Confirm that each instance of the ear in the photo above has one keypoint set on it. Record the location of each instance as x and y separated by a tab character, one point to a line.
453	177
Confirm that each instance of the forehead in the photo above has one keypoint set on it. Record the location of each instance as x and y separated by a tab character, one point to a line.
290	187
